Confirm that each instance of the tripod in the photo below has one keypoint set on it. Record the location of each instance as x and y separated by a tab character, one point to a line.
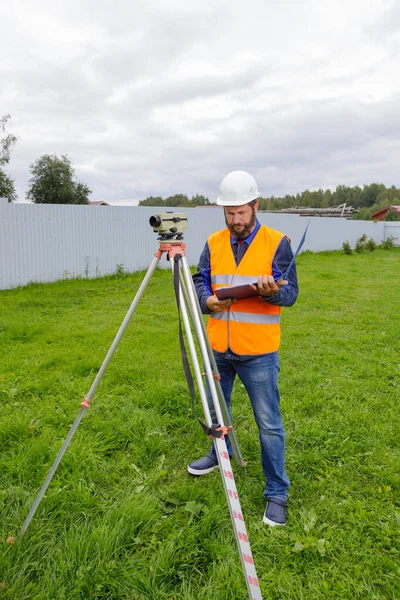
188	305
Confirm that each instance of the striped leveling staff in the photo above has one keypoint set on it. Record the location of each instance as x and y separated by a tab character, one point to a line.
224	462
239	526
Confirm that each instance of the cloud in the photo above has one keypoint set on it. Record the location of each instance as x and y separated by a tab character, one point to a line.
162	98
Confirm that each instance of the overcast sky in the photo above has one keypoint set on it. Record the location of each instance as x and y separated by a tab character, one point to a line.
163	97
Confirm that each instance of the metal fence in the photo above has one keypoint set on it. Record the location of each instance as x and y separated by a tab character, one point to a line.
44	242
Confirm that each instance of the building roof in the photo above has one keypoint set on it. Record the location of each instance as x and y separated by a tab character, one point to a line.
98	203
383	211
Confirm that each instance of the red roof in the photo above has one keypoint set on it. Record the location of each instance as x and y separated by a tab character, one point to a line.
98	203
379	215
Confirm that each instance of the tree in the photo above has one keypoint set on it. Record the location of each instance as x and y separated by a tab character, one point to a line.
152	201
340	195
7	142
7	188
370	193
327	199
53	182
177	200
354	196
392	215
364	214
200	200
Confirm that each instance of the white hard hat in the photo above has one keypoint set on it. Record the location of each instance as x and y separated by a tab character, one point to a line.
237	188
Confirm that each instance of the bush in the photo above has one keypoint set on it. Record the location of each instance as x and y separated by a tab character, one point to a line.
347	248
361	242
371	245
388	243
362	245
120	271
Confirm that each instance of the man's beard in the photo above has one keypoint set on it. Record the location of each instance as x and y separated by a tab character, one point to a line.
247	229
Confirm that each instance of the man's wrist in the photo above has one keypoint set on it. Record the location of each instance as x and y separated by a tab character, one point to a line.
272	297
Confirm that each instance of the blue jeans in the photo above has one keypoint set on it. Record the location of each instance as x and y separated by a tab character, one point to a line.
259	376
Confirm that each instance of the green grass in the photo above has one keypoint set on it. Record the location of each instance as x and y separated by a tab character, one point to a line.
116	521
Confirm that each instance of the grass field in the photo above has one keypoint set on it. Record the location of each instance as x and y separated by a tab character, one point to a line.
122	519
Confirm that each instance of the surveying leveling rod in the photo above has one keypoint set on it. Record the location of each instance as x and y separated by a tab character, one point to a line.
222	452
220	444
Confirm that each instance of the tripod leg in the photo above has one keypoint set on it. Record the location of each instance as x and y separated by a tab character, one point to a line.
86	403
123	327
253	586
203	350
224	409
50	474
193	354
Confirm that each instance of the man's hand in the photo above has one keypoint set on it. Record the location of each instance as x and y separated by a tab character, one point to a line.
267	286
216	305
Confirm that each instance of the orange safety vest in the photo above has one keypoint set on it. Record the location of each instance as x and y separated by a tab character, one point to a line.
250	326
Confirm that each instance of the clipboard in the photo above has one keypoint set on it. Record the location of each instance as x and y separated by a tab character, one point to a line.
239	292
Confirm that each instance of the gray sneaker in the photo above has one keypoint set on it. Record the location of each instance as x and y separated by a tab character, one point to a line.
275	512
204	465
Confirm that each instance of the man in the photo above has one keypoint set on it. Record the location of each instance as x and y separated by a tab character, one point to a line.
245	334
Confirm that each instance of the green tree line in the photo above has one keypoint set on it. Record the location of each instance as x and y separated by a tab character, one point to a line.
176	200
366	200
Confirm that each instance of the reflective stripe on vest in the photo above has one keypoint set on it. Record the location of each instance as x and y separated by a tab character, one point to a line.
232	279
250	326
245	317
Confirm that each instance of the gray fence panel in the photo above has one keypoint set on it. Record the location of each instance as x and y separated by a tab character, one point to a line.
43	243
392	229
